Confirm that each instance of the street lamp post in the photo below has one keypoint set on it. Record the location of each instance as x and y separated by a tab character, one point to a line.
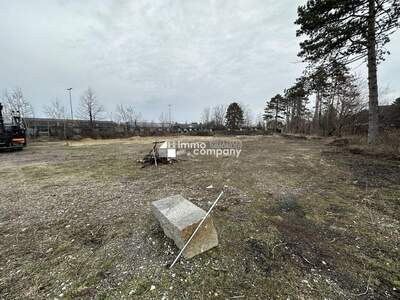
169	115
70	103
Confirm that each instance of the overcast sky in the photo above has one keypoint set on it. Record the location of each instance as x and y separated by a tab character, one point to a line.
189	53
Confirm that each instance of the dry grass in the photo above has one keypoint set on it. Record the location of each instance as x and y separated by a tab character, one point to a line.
388	145
298	219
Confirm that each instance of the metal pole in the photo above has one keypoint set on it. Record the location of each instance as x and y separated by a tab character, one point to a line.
70	103
197	229
65	129
169	114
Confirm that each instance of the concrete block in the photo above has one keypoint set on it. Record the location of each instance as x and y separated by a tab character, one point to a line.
179	218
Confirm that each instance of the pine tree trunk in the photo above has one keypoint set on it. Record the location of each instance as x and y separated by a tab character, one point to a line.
292	116
373	122
91	119
316	113
287	117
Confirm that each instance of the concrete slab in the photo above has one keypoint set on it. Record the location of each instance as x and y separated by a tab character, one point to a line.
179	218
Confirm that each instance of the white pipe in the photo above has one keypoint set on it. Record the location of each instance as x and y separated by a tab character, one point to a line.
194	233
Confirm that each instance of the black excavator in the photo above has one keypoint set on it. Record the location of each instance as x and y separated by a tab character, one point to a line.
12	136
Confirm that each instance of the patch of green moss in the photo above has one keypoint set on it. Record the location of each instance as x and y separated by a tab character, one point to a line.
95	276
63	247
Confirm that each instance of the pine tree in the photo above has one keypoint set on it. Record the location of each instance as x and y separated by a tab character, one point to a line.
338	77
274	109
349	30
317	82
234	116
297	98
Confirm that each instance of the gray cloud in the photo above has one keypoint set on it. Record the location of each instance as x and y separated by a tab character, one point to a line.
190	54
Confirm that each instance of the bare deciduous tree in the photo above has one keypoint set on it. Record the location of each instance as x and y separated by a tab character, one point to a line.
89	107
127	114
247	115
15	101
218	115
55	110
259	121
163	119
350	102
206	116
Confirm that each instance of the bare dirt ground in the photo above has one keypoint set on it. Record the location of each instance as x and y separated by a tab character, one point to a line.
298	220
